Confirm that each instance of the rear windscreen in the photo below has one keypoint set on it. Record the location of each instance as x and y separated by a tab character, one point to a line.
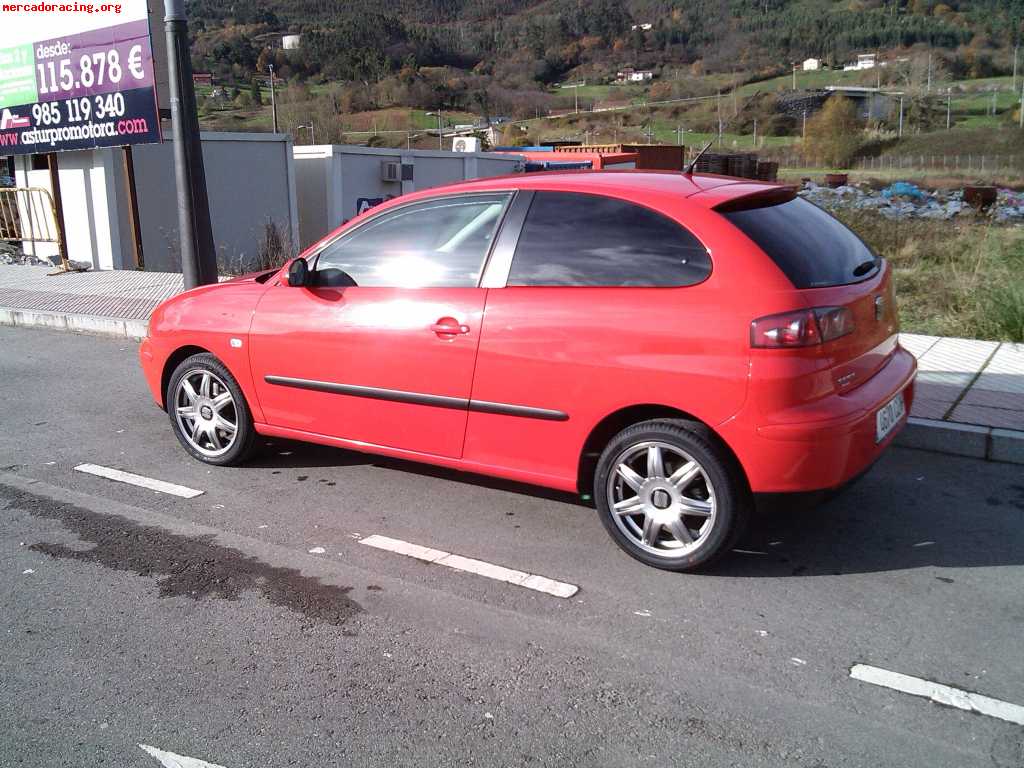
808	245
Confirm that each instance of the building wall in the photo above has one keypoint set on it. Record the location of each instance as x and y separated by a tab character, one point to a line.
335	182
90	218
250	182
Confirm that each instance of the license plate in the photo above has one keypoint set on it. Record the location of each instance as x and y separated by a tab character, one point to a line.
888	416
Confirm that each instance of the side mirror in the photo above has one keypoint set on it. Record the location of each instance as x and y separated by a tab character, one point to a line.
298	273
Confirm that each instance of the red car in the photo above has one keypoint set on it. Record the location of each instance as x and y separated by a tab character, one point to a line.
669	344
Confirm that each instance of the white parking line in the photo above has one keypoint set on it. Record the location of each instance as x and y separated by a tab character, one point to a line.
171	760
139	480
469	565
941	694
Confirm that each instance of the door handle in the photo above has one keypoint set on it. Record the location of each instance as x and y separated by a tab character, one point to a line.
448	326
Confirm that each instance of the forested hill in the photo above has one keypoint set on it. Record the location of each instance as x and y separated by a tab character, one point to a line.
544	41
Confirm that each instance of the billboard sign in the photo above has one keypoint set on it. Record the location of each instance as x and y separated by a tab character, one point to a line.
76	76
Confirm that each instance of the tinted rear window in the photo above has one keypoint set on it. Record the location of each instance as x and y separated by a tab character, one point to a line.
812	248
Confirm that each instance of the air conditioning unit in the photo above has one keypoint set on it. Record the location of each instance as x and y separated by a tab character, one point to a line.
390	171
466	144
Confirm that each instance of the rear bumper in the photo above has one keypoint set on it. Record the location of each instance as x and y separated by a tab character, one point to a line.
785	456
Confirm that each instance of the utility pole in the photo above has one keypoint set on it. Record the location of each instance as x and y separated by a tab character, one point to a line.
719	118
198	258
1022	105
1015	47
273	97
900	133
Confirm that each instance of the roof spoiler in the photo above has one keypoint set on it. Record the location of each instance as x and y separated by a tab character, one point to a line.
762	198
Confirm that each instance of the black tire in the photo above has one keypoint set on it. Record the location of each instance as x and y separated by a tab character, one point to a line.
245	434
721	483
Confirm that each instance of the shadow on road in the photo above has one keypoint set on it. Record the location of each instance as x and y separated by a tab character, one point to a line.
888	523
913	510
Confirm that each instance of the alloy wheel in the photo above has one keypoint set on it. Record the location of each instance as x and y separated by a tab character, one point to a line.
661	499
205	412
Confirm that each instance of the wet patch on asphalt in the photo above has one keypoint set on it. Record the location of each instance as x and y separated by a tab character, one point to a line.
184	566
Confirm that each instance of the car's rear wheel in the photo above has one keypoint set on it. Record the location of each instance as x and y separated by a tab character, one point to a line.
670	495
208	411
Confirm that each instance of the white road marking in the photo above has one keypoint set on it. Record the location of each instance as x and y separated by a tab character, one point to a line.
468	564
317	551
940	694
140	480
171	760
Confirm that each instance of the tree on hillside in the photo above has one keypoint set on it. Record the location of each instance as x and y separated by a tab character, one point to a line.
834	133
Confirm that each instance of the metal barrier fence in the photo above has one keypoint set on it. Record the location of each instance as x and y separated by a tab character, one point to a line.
28	214
978	163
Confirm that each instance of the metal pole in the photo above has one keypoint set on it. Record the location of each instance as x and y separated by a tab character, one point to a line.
576	96
803	134
948	123
1022	104
440	132
719	118
273	97
133	207
794	77
901	117
58	210
1015	47
755	133
198	259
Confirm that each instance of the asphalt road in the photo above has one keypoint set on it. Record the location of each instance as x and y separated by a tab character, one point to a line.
205	627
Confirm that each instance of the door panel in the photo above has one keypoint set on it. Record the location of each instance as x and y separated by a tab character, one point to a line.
369	363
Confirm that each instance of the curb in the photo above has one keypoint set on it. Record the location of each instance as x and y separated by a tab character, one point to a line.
60	321
990	443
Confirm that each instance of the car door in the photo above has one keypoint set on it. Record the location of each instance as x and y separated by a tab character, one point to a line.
603	304
380	348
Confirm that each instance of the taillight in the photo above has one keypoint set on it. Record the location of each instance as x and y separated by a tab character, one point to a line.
802	328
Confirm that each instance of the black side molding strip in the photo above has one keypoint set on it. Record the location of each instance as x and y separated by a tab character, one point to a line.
506	409
375	393
418	398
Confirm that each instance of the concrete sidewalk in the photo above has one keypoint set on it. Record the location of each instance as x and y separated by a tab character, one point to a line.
969	402
115	303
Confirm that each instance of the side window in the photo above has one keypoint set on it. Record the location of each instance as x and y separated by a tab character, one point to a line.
438	243
591	240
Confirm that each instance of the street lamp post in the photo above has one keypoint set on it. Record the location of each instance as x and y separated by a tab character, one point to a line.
312	131
273	98
198	258
440	130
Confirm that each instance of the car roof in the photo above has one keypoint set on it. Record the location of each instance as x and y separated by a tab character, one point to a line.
708	189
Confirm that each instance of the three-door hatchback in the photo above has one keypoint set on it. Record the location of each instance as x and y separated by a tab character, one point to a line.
669	344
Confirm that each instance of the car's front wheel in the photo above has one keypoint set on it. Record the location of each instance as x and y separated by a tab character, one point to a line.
669	494
208	411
